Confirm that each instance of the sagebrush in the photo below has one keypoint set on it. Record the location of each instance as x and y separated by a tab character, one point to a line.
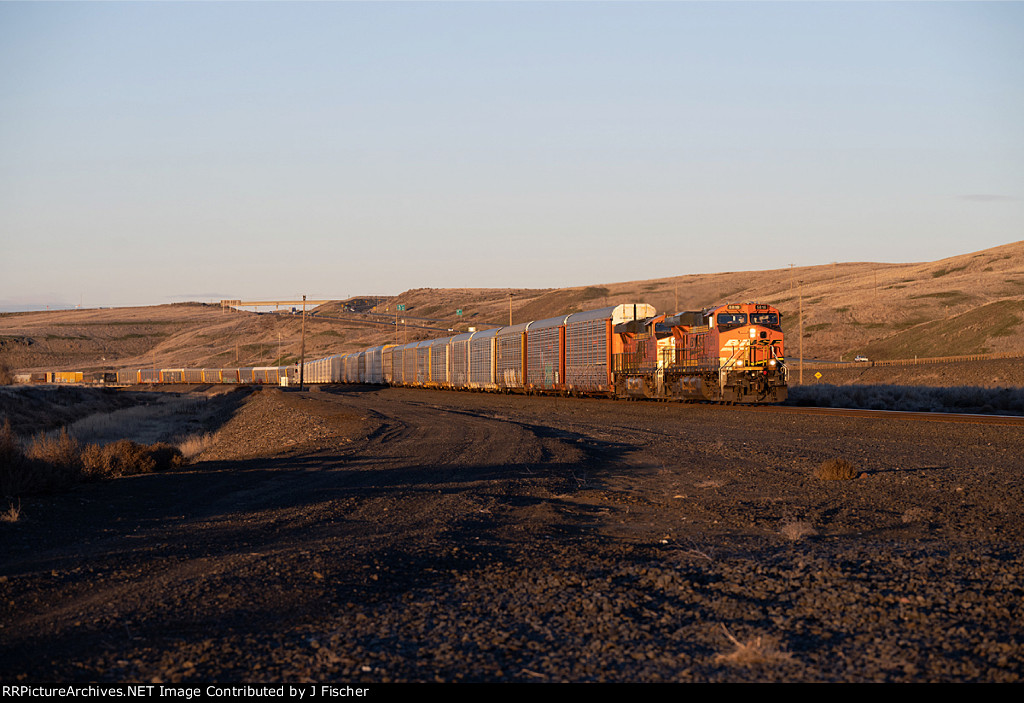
125	457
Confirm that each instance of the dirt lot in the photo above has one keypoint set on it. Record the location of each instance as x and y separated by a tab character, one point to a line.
405	535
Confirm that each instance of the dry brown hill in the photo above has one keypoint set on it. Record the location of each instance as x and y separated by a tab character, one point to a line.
165	336
968	304
973	303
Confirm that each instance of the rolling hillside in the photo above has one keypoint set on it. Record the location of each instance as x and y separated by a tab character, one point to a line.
973	303
968	304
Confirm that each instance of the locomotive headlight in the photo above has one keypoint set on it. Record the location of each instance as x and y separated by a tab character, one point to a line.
772	363
753	333
739	364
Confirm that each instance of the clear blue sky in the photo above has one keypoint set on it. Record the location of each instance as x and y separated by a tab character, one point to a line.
157	152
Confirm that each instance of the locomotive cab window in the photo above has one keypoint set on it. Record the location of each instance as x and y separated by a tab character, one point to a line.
765	319
729	320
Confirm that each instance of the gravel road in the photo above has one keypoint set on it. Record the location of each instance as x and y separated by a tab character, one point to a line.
366	535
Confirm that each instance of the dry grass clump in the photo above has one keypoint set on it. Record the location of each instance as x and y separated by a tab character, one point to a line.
12	513
6	377
759	651
193	446
795	531
835	470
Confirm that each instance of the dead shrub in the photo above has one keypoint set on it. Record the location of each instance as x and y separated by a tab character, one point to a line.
115	459
125	458
835	470
58	456
166	456
60	450
6	377
50	462
759	651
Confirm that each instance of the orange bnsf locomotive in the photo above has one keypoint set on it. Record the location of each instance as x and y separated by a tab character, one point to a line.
730	353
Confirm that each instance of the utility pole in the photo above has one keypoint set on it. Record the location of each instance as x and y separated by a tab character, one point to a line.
510	309
302	352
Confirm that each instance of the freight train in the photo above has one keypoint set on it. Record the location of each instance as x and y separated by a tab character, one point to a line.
730	353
